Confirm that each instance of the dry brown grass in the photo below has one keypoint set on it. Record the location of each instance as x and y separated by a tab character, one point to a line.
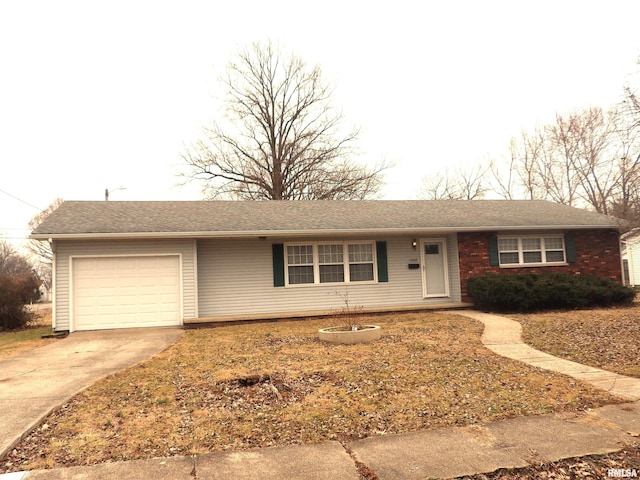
429	370
603	338
16	342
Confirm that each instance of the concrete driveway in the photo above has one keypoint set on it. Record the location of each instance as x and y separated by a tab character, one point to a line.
36	382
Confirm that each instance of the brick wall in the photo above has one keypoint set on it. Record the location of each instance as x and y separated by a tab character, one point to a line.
597	253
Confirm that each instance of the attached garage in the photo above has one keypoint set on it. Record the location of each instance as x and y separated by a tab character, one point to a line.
125	292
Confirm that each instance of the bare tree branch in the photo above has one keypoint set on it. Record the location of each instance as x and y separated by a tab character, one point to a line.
457	184
40	251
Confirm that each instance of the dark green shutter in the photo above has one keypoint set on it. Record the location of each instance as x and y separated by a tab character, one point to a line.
278	264
381	256
570	247
494	260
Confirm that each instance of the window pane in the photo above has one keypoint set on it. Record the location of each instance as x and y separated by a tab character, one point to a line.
300	254
532	257
508	258
530	244
553	243
330	253
507	244
331	273
360	252
298	275
432	249
361	272
555	256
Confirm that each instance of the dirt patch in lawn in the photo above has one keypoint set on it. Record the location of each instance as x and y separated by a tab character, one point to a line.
261	385
603	338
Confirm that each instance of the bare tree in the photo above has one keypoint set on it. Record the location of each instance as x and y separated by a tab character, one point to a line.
456	184
630	105
588	158
575	161
626	201
12	262
583	143
283	140
41	250
502	178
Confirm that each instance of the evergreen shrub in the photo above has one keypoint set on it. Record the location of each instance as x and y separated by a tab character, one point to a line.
546	291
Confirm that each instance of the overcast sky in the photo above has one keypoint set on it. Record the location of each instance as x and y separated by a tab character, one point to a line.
104	94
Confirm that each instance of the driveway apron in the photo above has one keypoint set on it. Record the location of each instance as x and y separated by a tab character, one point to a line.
37	382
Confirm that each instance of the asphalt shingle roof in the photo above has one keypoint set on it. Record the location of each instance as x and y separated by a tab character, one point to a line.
84	218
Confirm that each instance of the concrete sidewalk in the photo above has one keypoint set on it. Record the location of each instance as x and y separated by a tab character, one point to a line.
441	453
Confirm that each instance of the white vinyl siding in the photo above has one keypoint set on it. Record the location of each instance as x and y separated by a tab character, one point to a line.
227	286
106	248
631	253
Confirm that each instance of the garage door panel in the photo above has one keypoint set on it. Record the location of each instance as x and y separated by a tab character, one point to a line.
121	292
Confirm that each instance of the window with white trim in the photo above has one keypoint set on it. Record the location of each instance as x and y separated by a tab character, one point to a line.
531	250
300	264
361	262
330	262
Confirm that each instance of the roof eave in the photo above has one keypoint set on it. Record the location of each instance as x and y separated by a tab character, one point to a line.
307	233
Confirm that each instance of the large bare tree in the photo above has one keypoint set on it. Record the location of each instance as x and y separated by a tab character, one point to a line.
282	139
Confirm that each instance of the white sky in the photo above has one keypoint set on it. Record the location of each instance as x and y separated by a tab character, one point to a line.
103	94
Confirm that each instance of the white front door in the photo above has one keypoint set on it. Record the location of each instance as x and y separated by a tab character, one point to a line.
435	279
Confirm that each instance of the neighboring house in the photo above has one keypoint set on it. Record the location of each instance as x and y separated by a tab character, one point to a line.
631	257
132	264
45	291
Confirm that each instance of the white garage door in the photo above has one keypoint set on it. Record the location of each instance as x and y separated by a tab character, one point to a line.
126	292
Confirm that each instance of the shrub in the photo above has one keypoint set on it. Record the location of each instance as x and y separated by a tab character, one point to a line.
545	291
15	292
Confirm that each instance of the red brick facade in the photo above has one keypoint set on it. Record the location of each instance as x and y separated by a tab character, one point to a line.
597	253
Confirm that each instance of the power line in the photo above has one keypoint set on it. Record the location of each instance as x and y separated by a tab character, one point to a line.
20	200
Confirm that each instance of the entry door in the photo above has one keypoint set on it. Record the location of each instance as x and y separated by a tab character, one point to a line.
435	280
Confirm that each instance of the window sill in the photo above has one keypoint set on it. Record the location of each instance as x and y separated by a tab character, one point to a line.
332	285
533	265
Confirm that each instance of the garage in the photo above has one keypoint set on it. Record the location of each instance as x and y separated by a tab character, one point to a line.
125	292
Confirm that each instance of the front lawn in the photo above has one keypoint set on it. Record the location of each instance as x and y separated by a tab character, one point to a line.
15	342
258	385
603	338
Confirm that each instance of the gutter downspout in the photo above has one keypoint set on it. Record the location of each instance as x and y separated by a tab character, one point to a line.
53	284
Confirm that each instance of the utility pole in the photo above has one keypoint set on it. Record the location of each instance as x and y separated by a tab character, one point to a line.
107	191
